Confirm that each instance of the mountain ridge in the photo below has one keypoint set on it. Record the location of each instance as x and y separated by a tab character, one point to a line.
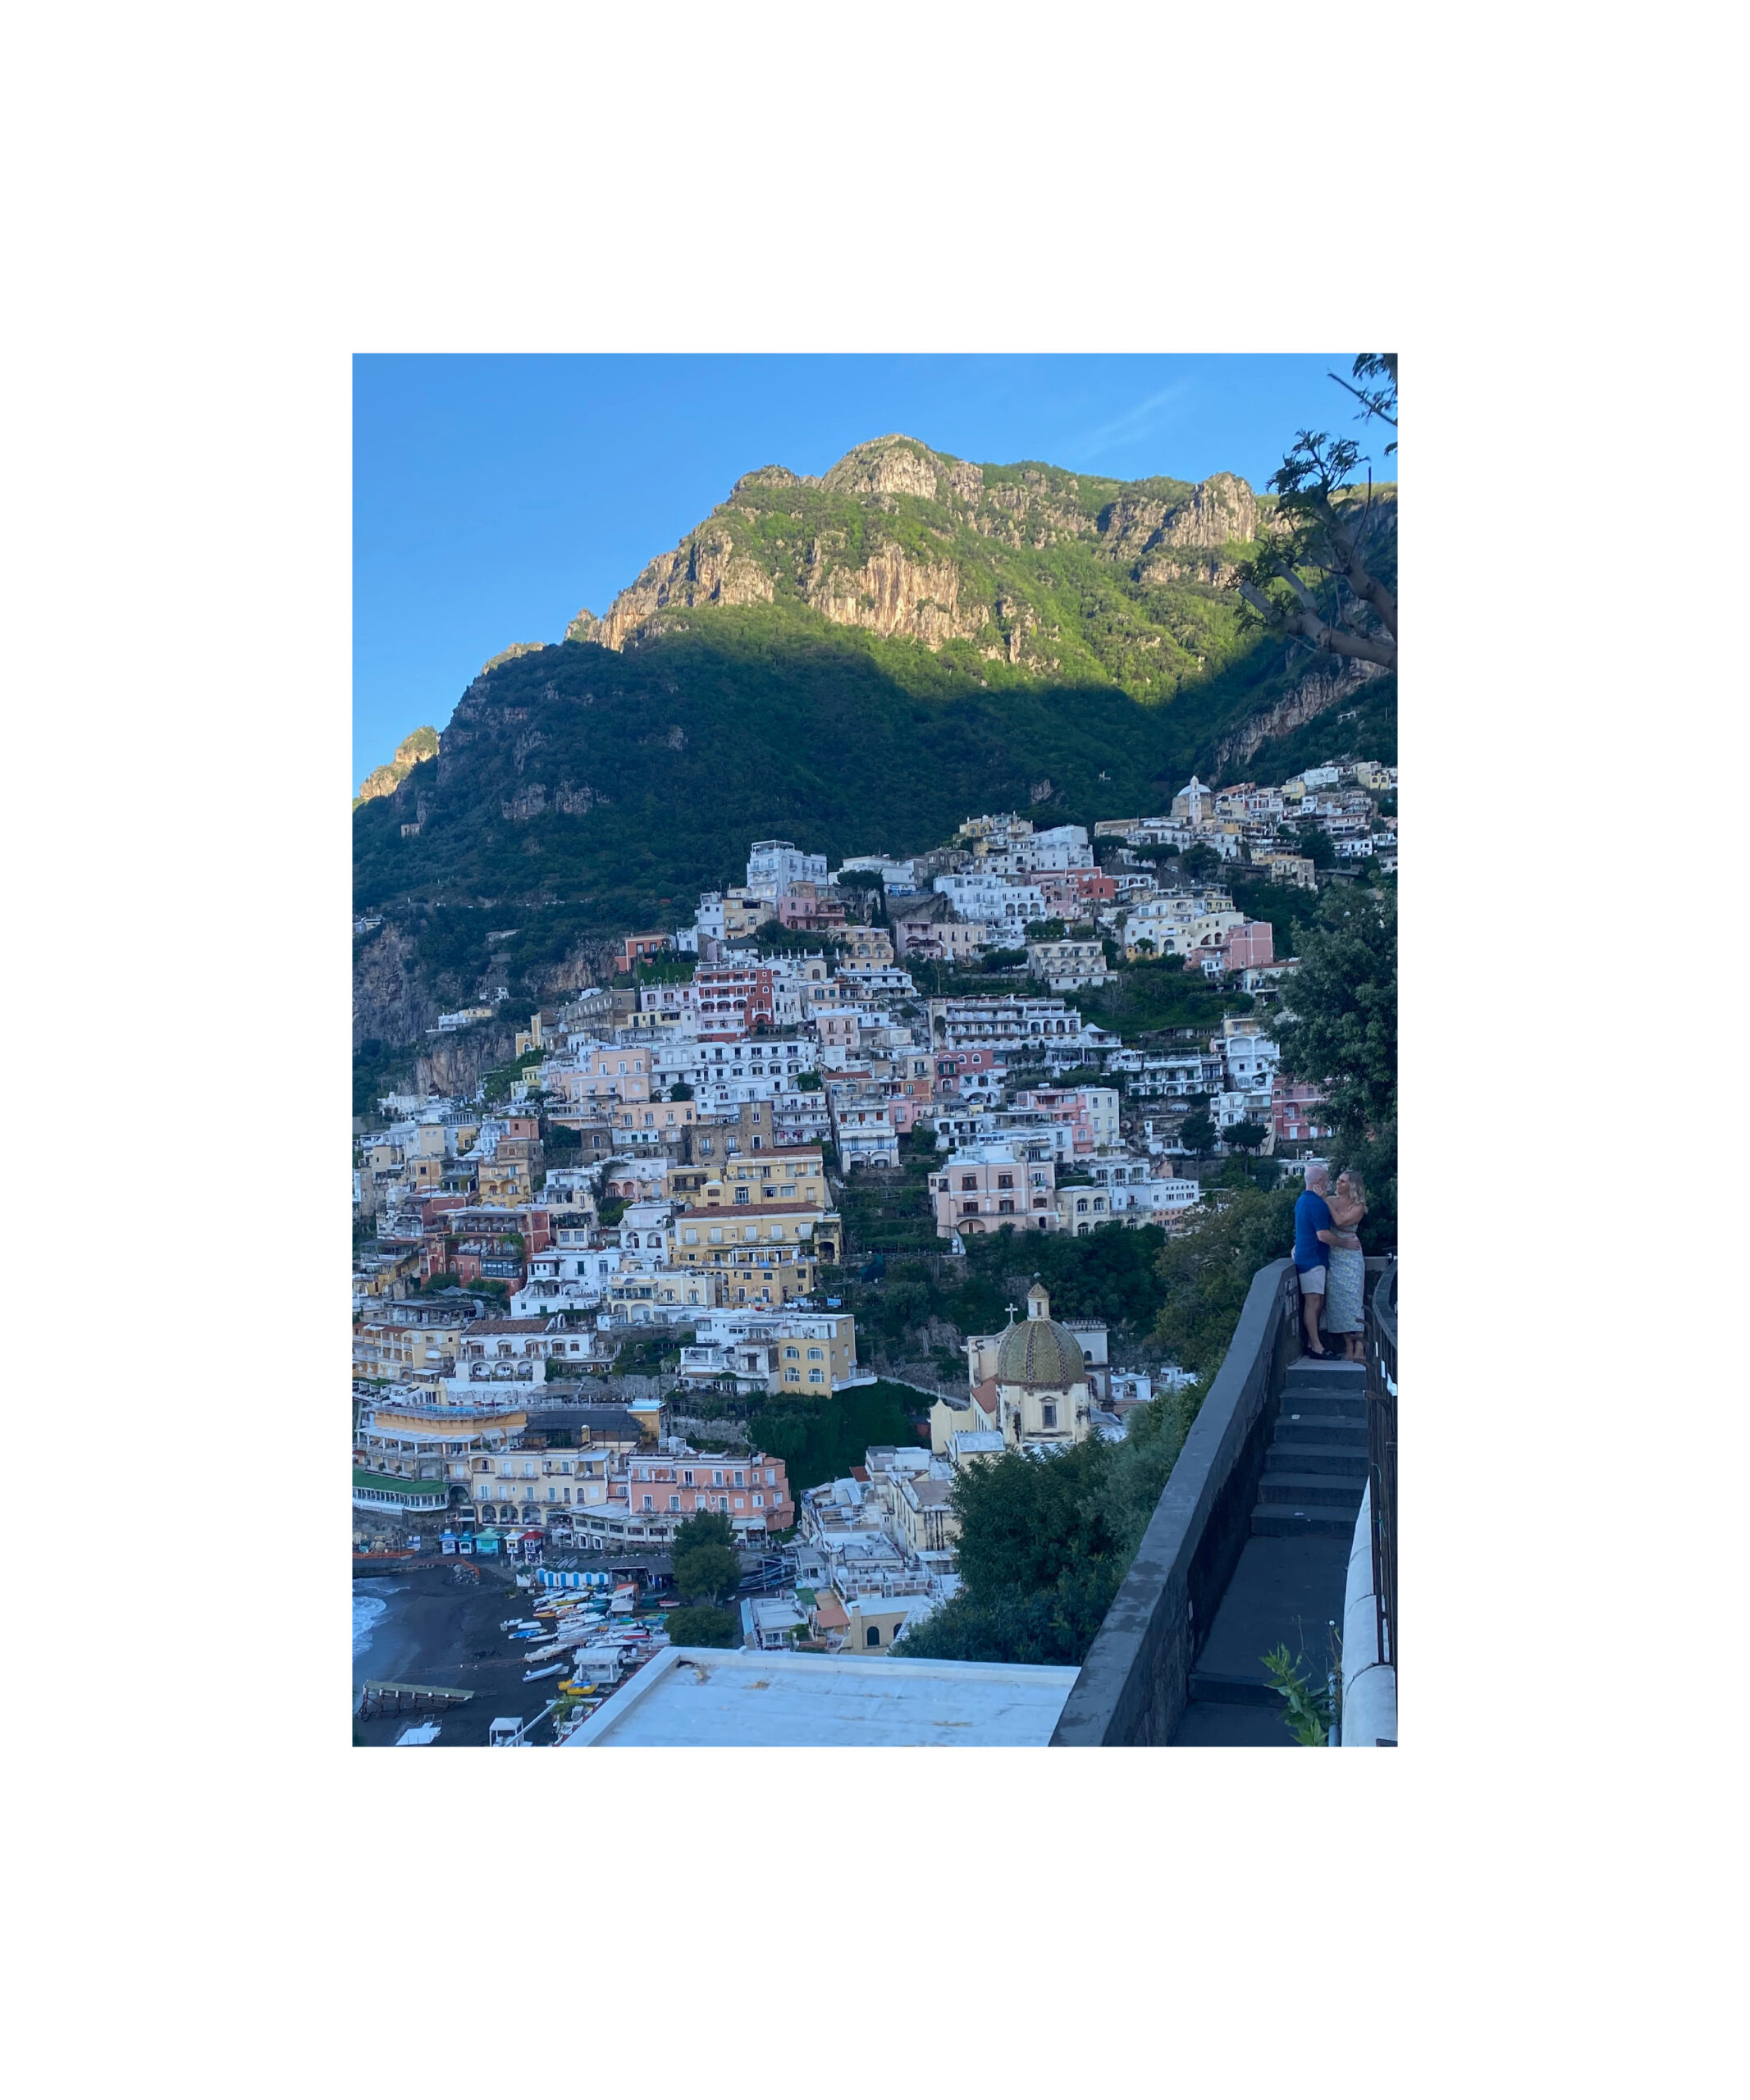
857	660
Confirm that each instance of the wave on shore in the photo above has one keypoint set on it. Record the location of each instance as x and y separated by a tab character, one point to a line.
367	1609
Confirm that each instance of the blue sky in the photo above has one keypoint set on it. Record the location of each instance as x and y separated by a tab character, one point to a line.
492	496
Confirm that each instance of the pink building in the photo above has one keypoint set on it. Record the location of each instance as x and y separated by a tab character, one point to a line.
1071	1108
734	999
751	1492
954	1067
1248	946
986	1187
811	914
1294	1112
1075	892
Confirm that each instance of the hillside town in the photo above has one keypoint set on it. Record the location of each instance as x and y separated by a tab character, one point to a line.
575	1289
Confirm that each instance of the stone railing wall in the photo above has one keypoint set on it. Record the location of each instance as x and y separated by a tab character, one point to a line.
1134	1685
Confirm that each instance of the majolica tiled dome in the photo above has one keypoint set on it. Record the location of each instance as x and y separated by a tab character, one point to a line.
1038	1352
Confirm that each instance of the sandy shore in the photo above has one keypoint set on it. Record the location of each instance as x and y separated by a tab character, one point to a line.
436	1630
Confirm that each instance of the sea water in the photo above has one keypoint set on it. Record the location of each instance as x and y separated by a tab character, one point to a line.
369	1607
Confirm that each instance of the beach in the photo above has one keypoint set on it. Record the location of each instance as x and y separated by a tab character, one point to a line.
421	1626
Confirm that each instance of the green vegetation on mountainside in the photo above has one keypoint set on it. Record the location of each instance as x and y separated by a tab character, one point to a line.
642	777
858	663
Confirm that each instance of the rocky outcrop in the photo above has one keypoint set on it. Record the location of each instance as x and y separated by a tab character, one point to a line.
1142	529
862	578
506	655
1316	692
456	1064
704	570
1218	510
892	593
887	466
411	751
389	1003
774	477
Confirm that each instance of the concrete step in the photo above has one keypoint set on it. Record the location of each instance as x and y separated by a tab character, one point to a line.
1335	1407
1319	1429
1235	1691
1319	1459
1343	1489
1330	1374
1315	1520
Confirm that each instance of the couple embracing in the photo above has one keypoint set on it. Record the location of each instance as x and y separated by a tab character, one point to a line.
1329	1256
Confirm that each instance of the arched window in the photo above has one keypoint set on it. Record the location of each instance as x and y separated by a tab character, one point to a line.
872	1638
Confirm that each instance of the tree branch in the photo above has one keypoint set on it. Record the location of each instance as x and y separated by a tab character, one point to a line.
1370	402
1308	626
1296	586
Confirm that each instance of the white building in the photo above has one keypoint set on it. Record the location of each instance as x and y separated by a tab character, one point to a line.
775	865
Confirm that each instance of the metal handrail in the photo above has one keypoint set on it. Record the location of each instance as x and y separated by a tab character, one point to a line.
1381	1455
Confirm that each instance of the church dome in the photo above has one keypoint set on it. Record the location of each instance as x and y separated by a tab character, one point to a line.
1037	1351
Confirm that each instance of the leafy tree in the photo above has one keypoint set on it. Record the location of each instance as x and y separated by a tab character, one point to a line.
1208	1268
703	1626
1340	1035
680	1091
706	1566
1199	862
1045	930
1313	842
1004	958
1246	1136
1327	577
1045	1544
808	1082
1198	1131
821	1439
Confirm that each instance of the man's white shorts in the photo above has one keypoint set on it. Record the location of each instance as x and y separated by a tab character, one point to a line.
1313	1282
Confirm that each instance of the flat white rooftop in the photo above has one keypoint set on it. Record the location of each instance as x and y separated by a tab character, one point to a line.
706	1697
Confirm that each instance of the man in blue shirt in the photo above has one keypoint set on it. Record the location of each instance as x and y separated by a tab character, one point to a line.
1314	1232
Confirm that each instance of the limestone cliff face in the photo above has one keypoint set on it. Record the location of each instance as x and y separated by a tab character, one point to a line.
892	593
888	466
388	1003
824	542
702	571
456	1064
1316	692
411	751
1174	542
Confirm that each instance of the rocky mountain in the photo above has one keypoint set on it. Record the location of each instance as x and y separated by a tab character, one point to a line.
411	751
855	660
1058	574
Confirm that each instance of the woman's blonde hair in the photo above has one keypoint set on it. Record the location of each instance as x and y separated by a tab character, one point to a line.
1352	1175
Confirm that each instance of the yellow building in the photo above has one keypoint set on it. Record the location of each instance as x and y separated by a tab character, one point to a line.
874	1623
869	945
791	1173
627	1293
820	1355
744	913
651	1122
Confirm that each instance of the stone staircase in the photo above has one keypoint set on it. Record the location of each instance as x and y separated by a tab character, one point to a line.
1316	1467
1287	1589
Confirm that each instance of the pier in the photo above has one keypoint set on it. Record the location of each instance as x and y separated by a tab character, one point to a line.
377	1697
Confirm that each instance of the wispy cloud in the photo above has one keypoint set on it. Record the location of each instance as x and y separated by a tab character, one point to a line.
1133	423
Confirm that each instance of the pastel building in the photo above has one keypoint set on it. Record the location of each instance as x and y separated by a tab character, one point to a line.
984	1187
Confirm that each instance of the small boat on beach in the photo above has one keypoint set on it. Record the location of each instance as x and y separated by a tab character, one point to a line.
552	1670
